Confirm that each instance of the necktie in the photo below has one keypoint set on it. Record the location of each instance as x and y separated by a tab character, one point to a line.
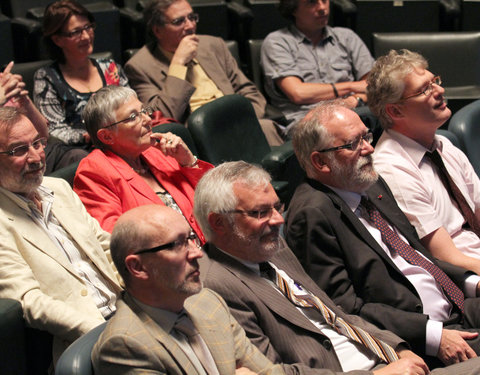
307	299
395	243
455	192
185	325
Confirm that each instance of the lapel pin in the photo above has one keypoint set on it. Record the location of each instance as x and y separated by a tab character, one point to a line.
380	196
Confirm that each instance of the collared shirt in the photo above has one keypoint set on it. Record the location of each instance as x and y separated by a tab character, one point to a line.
166	320
206	90
435	304
351	355
98	288
340	57
419	191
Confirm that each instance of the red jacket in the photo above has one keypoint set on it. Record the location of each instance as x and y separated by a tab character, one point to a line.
108	186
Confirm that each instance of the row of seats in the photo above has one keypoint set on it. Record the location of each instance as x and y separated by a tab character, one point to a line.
240	20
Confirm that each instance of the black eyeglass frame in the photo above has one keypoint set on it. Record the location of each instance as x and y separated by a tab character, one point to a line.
78	32
368	137
171	245
42	142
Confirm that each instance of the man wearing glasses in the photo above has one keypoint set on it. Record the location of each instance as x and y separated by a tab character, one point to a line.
433	182
351	237
181	71
165	322
53	255
285	314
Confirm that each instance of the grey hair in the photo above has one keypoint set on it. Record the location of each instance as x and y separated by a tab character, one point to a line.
386	81
214	192
154	13
101	107
10	116
310	134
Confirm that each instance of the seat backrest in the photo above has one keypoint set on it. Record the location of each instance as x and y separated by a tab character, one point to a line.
180	130
27	70
254	48
12	335
76	360
233	48
227	129
381	16
464	124
450	136
445	52
67	173
6	52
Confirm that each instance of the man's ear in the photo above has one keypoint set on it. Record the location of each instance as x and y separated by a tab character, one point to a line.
105	136
157	31
218	223
395	111
318	162
135	267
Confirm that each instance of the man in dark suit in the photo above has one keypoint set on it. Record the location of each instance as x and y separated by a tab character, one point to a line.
240	215
338	243
180	71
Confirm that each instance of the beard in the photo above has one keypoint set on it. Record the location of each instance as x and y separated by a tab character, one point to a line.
25	183
356	177
259	248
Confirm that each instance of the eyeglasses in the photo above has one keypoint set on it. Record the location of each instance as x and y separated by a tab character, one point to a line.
75	34
428	90
134	118
177	244
263	214
353	145
180	21
22	150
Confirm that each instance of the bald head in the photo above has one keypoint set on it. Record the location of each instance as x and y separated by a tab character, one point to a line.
140	228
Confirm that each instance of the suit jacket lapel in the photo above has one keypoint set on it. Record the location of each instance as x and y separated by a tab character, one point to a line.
163	337
274	300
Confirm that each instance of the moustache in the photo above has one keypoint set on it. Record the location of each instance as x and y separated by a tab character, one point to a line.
34	167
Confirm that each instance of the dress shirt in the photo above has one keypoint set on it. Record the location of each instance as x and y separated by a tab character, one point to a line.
101	292
166	320
435	304
351	355
419	191
340	57
206	90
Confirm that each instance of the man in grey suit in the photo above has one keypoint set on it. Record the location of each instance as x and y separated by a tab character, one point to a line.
240	215
180	71
165	322
330	228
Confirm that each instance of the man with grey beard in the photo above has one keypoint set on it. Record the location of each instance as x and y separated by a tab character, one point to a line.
270	294
351	237
54	257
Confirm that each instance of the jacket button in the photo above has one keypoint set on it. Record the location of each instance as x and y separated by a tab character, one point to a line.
84	292
419	308
327	344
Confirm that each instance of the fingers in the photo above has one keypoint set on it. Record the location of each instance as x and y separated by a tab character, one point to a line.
168	142
8	68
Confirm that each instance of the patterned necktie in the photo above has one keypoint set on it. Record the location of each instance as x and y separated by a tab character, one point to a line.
454	192
185	325
384	351
395	243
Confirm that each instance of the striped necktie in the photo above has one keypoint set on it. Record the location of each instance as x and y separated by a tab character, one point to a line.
395	243
384	351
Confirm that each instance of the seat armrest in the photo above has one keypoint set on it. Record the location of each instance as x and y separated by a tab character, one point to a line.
276	160
347	7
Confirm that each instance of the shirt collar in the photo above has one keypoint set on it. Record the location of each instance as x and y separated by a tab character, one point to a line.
351	198
300	37
414	149
250	265
164	318
44	195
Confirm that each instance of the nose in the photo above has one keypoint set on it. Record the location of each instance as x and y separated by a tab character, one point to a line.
35	155
194	251
276	218
367	148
